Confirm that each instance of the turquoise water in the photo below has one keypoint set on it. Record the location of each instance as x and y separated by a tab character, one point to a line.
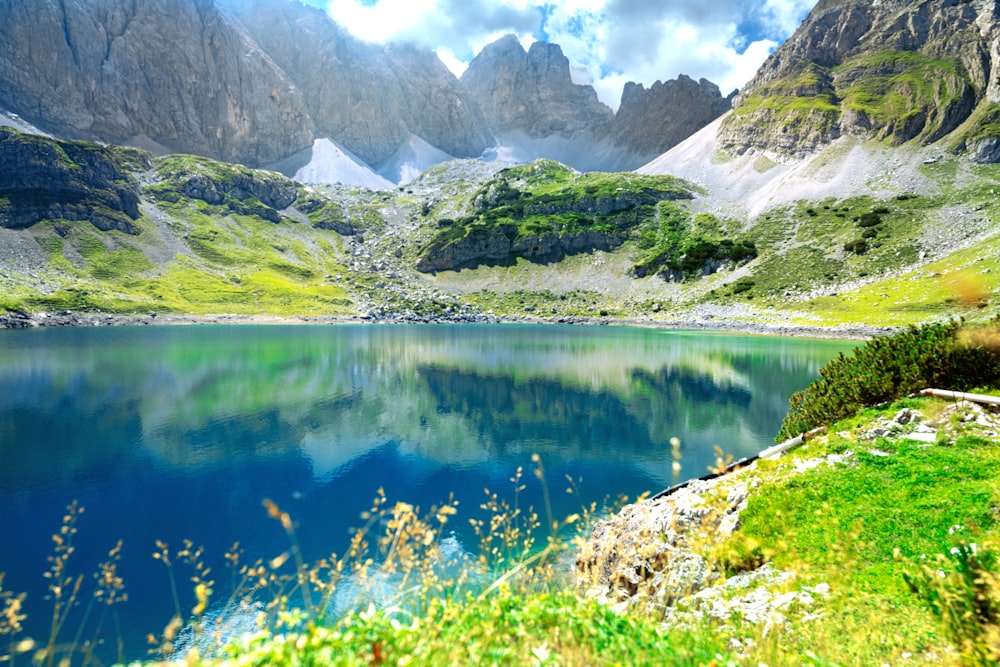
172	433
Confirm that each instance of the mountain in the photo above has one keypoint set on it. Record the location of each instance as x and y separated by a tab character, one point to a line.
652	120
532	91
535	110
170	75
369	99
252	82
259	82
894	70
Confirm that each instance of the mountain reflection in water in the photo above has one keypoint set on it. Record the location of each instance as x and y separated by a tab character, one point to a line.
167	433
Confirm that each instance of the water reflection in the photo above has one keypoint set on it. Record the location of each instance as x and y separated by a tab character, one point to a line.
171	433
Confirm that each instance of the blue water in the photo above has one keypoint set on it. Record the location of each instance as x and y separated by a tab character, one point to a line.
167	433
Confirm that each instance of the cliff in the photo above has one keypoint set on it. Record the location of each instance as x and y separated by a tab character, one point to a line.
167	75
531	91
894	71
44	179
651	121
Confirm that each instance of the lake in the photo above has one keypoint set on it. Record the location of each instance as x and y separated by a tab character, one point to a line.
173	433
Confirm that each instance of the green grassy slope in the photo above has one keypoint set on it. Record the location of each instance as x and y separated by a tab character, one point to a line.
214	238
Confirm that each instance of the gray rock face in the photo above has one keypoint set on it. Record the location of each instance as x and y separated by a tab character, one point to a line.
986	150
891	70
502	246
369	99
650	552
174	73
45	179
532	91
251	84
651	121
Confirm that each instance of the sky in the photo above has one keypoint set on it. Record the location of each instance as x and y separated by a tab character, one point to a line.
608	42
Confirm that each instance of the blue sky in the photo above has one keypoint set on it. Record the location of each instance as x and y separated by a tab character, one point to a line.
608	42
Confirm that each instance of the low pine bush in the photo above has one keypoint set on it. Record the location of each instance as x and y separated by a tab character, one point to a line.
942	355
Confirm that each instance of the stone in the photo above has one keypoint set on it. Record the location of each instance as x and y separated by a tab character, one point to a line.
646	552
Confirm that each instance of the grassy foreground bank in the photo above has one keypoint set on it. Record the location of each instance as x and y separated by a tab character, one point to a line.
894	512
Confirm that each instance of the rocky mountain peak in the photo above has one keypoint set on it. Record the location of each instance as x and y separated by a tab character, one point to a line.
650	121
531	91
893	70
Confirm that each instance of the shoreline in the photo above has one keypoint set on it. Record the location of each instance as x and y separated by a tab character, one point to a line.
16	320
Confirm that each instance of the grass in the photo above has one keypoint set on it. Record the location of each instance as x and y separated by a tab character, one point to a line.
804	94
860	526
574	303
893	87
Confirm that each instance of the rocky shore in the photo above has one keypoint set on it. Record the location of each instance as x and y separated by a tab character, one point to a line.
23	320
662	554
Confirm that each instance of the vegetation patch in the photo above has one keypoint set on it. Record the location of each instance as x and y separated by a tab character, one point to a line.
236	188
904	94
545	303
678	245
940	355
830	242
872	521
801	95
544	211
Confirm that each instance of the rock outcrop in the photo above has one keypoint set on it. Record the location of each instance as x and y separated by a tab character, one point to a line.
893	70
543	212
651	121
239	189
650	553
46	179
502	246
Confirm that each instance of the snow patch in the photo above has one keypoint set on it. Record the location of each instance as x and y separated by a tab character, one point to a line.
8	119
412	158
325	163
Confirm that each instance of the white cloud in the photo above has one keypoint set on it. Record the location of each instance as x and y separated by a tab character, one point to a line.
608	42
451	61
786	15
384	21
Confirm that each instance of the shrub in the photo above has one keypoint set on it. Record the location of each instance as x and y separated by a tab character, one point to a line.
889	367
858	247
871	219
